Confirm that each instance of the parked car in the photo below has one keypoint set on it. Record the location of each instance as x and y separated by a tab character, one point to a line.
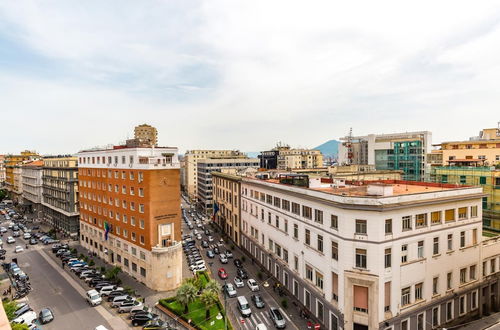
142	318
204	244
210	254
106	290
243	306
127	305
228	254
230	290
113	294
46	315
237	263
252	284
33	241
277	318
222	273
27	318
223	258
10	240
242	273
238	282
118	300
138	309
93	297
216	250
155	324
258	301
18	249
21	309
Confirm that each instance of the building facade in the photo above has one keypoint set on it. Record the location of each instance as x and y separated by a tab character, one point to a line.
130	211
32	187
147	134
226	194
393	255
399	151
205	169
13	173
60	194
485	176
2	170
482	150
282	157
191	159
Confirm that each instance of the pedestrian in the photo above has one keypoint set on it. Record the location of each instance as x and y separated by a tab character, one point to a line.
62	264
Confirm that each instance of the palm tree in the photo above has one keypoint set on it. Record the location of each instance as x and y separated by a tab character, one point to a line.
208	298
213	286
186	294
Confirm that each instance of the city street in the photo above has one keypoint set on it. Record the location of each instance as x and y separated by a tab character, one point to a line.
271	298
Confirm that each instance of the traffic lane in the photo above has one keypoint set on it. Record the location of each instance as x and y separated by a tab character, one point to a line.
51	290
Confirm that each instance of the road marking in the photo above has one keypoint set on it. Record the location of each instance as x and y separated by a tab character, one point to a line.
265	317
286	315
244	324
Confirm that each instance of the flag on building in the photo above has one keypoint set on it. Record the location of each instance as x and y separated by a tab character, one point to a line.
216	209
107	229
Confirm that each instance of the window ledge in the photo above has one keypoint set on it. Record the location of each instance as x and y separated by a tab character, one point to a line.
415	303
467	283
435	256
437	295
450	252
413	261
361	269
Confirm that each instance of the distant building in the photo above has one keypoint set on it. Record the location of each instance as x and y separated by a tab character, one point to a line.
2	170
190	169
130	211
205	168
13	172
60	193
283	157
147	134
226	194
398	151
32	187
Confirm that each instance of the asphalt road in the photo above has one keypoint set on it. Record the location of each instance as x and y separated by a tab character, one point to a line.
51	289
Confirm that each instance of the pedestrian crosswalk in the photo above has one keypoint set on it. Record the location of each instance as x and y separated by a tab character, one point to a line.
250	323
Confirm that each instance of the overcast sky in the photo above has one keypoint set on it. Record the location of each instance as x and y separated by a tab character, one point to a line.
244	75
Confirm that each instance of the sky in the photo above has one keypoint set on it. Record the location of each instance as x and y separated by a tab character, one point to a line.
244	74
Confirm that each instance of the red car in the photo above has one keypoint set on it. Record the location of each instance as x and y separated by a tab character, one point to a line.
222	273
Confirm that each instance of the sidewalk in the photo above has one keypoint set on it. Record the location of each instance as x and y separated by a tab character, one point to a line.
491	322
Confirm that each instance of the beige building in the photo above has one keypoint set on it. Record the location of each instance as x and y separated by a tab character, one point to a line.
2	170
363	173
226	195
299	158
147	134
481	150
190	170
32	186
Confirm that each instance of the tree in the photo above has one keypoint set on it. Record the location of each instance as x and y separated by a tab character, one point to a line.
18	326
186	294
10	307
112	273
208	298
3	194
213	287
195	281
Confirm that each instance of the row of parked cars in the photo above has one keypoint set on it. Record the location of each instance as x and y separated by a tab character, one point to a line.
24	314
103	289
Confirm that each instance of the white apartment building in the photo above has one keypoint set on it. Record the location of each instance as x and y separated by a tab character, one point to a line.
379	256
2	170
32	186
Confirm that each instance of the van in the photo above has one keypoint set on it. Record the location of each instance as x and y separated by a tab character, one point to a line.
27	318
261	326
93	298
244	307
105	290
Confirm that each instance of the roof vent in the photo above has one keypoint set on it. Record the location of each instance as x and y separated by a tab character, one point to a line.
380	189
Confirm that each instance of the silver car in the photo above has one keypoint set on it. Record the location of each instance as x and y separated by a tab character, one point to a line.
277	318
127	305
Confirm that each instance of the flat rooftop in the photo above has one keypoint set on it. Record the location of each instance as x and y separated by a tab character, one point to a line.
399	187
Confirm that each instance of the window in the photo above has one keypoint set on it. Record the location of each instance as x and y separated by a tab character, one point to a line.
435	285
318	216
449	215
295	231
269	199
405	296
482	180
277	202
277	222
308	237
286	225
461	305
141	224
435	218
450	242
420	249
420	321
133	236
296	263
334	222
474	236
141	192
141	208
473	211
285	205
131	174
335	286
492	266
404	324
335	250
132	221
449	281
435	246
320	243
485	271
269	217
406	221
319	280
463	275
462	239
361	258
421	220
435	316
473	297
271	244
419	291
388	226
387	259
404	253
285	255
462	213
306	212
143	272
472	272
295	208
449	311
361	227
142	239
309	273
360	298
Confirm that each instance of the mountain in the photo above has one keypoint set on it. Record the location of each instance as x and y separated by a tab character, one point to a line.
252	154
329	148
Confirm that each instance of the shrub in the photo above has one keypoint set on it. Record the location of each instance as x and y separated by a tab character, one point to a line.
91	262
284	303
260	276
243	258
232	247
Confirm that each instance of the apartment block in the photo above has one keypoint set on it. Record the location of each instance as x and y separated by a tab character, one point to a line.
60	193
13	173
205	168
226	194
191	159
382	255
2	170
32	187
130	211
147	134
398	151
283	157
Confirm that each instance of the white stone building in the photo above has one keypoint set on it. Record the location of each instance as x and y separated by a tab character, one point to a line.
381	256
32	186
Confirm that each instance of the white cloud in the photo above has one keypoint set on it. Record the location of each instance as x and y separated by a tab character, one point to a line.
232	74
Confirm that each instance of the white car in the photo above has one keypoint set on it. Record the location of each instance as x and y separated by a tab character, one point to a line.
11	240
238	282
252	284
27	318
223	259
210	239
27	236
230	290
198	237
18	249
